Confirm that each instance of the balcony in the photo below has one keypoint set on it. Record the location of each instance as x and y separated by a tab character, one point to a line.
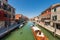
47	20
58	21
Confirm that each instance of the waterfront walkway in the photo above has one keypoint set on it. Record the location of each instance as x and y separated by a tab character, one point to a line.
49	28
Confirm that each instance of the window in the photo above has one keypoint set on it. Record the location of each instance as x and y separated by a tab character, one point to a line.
0	4
54	18
5	7
9	9
5	15
54	9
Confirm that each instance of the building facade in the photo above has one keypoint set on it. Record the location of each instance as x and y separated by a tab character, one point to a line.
7	13
55	15
51	16
19	18
45	16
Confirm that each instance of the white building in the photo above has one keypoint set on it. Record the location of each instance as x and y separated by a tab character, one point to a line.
55	15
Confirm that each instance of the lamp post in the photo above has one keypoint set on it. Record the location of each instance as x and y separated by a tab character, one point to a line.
55	29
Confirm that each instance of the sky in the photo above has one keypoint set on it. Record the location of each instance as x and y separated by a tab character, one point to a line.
31	8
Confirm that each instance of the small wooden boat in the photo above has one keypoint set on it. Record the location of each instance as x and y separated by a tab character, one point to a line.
38	35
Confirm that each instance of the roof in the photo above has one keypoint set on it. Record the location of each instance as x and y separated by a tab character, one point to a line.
18	16
56	5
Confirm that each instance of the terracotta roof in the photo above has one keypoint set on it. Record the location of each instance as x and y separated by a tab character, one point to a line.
17	16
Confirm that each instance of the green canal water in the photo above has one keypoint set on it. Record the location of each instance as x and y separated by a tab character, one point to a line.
23	33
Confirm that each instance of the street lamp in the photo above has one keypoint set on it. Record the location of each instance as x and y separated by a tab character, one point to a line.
55	29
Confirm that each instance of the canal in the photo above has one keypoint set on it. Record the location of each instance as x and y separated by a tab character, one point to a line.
23	33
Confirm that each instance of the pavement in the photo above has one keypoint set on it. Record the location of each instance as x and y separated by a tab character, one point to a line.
49	28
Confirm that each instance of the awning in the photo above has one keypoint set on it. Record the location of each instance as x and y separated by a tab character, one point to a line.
47	20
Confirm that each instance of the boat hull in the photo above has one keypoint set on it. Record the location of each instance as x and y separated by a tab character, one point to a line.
38	37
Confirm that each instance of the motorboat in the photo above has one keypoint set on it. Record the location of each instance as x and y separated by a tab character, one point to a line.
38	34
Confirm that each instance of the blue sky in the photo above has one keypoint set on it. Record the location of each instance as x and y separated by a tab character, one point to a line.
31	8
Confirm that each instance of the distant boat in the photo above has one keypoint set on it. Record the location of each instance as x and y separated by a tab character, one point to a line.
38	34
21	26
32	25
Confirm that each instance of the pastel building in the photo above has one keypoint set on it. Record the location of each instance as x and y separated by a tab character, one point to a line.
55	15
45	16
7	13
19	18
